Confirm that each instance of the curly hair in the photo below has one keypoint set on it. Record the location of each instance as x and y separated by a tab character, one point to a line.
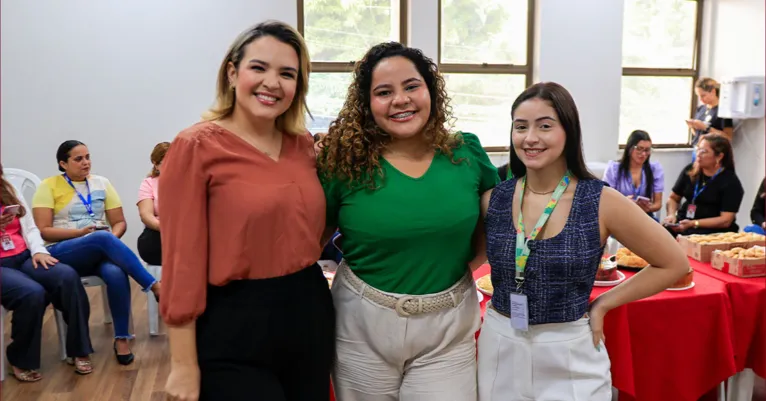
352	148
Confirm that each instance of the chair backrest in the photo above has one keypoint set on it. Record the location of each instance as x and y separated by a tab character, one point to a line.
25	182
597	168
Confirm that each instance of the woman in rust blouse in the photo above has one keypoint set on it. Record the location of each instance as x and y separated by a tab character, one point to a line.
249	312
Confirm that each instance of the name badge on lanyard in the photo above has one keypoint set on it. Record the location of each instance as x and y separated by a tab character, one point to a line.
519	305
5	240
87	202
691	209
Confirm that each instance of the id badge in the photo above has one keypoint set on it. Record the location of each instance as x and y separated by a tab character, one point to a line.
691	210
7	242
519	312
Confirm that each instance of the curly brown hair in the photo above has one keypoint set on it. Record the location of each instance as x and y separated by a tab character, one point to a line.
352	148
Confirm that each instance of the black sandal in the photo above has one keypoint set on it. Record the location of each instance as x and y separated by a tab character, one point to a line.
123	359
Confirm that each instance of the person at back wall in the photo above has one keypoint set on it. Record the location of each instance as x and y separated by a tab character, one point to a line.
706	120
757	212
149	242
635	176
710	190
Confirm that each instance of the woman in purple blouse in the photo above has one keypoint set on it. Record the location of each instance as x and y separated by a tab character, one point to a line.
635	176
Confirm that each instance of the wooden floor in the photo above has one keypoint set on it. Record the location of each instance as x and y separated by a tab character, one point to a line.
143	380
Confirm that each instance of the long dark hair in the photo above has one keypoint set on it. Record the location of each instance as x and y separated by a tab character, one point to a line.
62	154
562	102
8	194
624	169
720	145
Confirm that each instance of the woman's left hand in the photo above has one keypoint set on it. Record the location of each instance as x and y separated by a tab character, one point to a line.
43	259
597	314
698	125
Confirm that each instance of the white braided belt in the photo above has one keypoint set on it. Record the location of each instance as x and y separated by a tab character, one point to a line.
408	305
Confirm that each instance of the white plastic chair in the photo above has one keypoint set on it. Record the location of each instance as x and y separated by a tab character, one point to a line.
23	181
156	325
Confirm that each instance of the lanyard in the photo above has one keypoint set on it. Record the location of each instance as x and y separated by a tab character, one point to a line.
522	248
698	190
87	203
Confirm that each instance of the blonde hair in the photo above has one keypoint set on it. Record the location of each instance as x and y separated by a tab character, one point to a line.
292	121
708	85
158	153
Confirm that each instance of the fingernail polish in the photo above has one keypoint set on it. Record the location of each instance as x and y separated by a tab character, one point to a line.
598	348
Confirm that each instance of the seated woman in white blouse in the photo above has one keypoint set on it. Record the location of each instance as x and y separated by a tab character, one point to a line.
635	176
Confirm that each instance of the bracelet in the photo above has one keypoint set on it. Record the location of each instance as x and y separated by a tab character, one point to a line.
696	224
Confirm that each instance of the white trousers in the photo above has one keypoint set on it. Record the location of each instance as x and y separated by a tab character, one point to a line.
550	362
383	356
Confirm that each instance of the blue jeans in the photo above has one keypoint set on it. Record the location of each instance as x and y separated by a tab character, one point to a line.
754	229
102	254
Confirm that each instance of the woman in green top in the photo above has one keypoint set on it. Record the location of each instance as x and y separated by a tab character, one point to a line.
406	194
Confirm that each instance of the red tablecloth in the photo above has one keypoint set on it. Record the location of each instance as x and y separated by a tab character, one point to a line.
676	345
748	303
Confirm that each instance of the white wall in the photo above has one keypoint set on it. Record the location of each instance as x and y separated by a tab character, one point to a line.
136	73
579	45
117	75
737	46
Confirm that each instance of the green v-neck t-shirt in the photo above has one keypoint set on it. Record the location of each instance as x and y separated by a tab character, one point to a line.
413	235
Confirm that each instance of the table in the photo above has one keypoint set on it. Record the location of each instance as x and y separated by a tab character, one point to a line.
675	345
748	303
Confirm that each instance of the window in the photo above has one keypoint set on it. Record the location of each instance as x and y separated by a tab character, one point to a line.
660	60
338	33
485	53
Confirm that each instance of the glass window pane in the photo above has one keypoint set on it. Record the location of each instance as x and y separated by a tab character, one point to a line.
484	31
327	92
343	30
659	33
657	105
482	104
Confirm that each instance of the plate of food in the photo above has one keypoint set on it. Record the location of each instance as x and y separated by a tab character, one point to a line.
629	260
684	283
607	274
484	284
620	277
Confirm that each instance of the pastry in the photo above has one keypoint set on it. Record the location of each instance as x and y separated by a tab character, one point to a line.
684	281
627	258
755	252
726	238
485	284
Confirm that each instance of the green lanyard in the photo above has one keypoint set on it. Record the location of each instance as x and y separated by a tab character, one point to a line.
522	249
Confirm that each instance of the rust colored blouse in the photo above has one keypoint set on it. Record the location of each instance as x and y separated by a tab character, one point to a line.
231	213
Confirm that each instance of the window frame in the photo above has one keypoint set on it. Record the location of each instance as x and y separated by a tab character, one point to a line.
692	73
490	68
348	66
